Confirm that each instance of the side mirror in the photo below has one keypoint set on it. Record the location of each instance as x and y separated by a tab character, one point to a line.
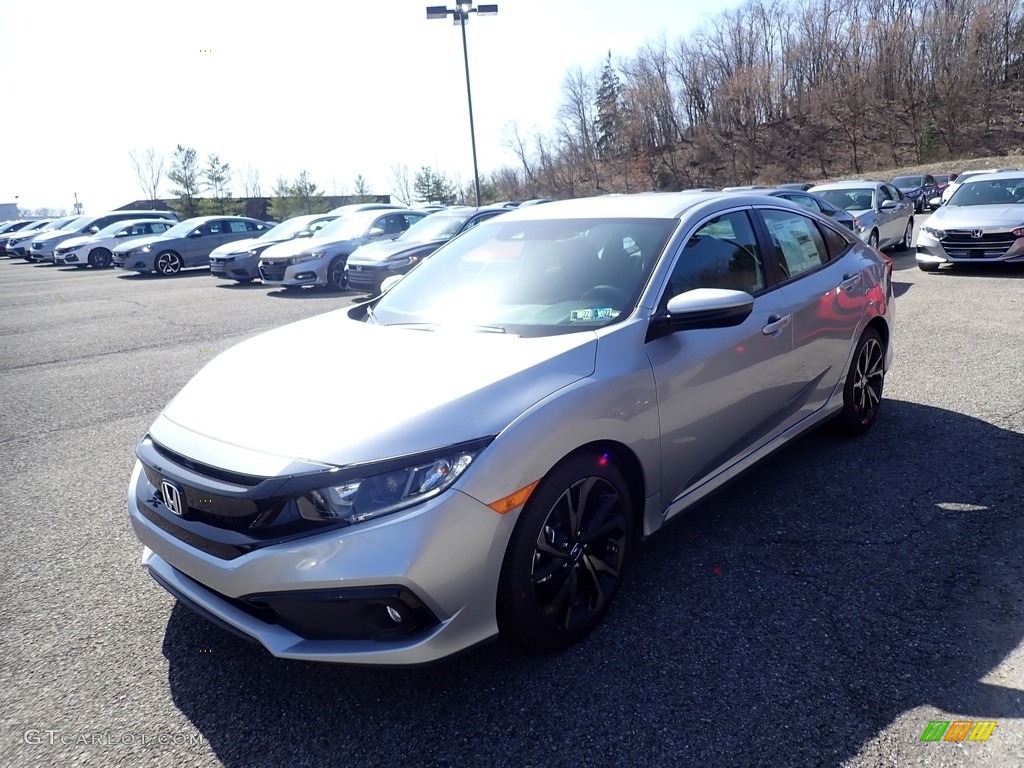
375	232
888	205
935	202
94	229
702	308
196	233
390	282
122	233
304	233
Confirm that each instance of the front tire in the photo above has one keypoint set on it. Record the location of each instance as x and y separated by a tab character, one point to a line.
928	266
336	280
862	392
168	263
565	559
908	237
873	239
100	258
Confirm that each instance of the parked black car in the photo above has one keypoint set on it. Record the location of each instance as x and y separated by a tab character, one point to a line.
919	189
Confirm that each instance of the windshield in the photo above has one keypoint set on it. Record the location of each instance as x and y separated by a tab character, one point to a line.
437	226
1008	191
942	178
183	228
291	228
908	182
69	222
533	278
849	199
349	226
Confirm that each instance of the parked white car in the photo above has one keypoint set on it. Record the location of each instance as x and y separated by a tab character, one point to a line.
97	250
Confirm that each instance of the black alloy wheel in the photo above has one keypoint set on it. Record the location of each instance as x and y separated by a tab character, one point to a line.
565	559
336	279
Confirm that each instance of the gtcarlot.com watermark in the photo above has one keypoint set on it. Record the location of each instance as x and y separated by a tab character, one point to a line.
111	737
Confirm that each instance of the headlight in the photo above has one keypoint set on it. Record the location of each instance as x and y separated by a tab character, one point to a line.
938	234
357	500
405	261
253	253
1019	232
306	257
146	248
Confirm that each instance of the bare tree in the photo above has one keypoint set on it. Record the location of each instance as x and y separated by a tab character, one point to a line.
149	170
249	179
400	183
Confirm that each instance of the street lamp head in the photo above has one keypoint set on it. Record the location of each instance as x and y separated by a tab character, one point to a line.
437	12
465	5
487	10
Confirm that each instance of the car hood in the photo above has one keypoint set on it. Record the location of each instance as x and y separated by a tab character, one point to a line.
77	241
374	253
138	242
339	391
304	245
975	216
232	248
56	234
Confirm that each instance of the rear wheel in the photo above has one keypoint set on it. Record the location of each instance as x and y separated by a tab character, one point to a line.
100	258
928	266
873	238
564	562
862	393
168	263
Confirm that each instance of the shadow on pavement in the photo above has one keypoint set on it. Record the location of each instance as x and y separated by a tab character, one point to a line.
316	292
787	621
154	276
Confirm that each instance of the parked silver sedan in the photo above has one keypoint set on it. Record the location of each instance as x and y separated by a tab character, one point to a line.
983	221
883	216
541	393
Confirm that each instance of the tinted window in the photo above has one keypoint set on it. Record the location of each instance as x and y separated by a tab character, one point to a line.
214	228
806	201
722	253
251	226
392	225
408	219
238	226
158	228
834	242
799	245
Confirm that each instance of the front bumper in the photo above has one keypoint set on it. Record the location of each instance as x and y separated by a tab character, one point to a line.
963	248
306	273
368	277
72	258
235	268
444	554
137	262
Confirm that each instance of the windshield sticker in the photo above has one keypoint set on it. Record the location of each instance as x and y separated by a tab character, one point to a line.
592	314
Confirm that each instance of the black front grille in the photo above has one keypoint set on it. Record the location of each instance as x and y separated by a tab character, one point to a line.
273	271
990	245
217	267
118	259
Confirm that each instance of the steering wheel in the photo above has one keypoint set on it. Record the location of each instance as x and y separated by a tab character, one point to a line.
607	295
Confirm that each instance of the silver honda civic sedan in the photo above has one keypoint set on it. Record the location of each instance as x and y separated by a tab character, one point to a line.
535	398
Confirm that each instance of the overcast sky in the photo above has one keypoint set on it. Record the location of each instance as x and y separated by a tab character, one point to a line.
336	87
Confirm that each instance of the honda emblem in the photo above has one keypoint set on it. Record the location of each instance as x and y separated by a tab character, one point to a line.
172	497
976	233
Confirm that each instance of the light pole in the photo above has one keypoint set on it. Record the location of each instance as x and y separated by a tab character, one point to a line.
460	16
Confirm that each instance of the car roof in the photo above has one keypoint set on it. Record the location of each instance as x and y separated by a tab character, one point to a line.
849	184
641	205
995	176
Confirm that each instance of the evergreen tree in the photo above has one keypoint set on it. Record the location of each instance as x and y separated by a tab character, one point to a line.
217	176
185	175
608	108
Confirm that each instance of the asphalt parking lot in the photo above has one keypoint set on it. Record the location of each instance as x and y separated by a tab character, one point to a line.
821	611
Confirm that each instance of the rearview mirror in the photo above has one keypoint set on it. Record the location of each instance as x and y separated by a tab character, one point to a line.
702	308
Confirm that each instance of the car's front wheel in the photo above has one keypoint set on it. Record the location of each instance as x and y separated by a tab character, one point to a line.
336	279
169	263
908	237
873	239
564	562
100	258
862	393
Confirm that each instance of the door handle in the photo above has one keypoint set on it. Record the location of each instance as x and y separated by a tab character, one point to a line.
849	281
776	323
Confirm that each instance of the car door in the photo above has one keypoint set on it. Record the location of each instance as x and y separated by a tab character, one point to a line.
722	392
200	242
825	293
